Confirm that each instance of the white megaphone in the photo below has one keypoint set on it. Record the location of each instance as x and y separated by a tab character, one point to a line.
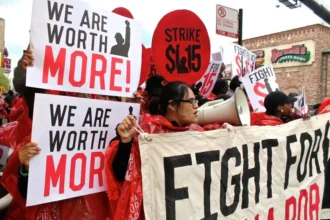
234	111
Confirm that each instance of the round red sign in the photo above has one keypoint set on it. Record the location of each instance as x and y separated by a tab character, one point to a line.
181	47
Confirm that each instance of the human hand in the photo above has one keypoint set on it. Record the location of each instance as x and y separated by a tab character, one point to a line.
27	59
306	116
127	23
28	151
138	98
126	129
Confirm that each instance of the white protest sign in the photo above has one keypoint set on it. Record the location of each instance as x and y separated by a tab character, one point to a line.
258	84
243	61
218	56
73	134
209	78
301	105
79	48
253	173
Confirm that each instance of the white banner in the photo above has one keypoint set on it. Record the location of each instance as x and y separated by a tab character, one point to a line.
79	48
258	84
250	173
209	78
243	61
73	134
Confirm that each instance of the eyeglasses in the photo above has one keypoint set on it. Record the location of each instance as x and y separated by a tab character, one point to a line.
191	101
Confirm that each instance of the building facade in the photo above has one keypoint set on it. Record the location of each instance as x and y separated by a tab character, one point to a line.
300	58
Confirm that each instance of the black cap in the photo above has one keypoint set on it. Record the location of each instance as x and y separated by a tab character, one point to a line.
155	84
293	94
275	99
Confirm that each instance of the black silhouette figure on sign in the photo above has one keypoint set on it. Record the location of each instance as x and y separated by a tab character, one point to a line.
182	66
123	45
268	87
302	101
130	110
181	62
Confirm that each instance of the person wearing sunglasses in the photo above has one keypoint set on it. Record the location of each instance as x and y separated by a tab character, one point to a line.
177	111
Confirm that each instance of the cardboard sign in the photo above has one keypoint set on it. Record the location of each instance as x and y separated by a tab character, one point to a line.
73	134
181	47
243	61
78	48
258	84
250	173
209	78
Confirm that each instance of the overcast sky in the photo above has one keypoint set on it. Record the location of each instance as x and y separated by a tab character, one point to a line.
261	17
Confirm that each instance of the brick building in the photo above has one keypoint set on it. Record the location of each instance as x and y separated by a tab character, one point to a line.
300	58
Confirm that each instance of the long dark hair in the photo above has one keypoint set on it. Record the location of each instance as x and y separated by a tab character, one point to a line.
172	91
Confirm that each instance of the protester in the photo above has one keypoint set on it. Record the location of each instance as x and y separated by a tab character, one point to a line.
85	207
234	84
177	112
324	107
154	86
220	87
9	99
278	107
3	110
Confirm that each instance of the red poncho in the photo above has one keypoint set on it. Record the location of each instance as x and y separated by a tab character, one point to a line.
3	111
325	106
124	196
262	119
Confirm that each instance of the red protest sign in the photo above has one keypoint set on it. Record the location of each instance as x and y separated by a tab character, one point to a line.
148	67
145	67
123	12
181	47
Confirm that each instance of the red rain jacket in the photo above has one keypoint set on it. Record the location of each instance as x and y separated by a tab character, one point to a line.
124	196
262	119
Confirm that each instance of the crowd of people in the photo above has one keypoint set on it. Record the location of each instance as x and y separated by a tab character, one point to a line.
165	107
7	101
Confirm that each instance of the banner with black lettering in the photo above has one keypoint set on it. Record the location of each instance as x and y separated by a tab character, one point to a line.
73	134
81	48
248	173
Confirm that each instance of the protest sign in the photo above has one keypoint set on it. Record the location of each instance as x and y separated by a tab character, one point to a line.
123	12
258	84
209	78
181	47
301	105
243	61
73	134
78	48
148	67
218	56
250	173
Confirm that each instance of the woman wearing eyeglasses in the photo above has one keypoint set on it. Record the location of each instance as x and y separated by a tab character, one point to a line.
177	112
